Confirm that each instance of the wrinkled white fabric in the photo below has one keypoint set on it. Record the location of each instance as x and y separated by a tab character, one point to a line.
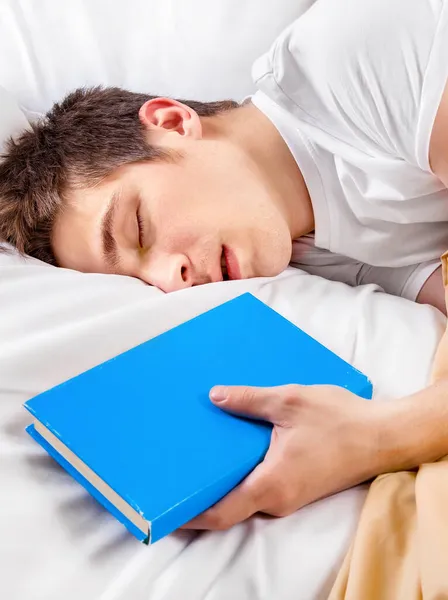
55	541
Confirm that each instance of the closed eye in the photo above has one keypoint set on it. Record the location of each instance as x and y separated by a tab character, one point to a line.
141	231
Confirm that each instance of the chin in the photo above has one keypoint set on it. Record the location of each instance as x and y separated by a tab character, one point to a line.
272	268
274	257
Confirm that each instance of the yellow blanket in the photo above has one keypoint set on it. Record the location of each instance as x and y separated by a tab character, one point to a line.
400	550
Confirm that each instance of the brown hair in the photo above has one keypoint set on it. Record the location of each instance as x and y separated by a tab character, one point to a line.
80	141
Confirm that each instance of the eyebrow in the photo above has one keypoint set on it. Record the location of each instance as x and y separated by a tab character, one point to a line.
109	243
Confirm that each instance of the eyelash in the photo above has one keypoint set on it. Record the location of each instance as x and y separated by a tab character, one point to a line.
140	230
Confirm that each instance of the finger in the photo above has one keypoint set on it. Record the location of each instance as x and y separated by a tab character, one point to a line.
240	504
267	403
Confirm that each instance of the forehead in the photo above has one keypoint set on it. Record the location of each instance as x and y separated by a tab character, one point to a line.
76	236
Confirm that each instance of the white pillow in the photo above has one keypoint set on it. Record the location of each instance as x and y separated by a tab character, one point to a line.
193	49
12	118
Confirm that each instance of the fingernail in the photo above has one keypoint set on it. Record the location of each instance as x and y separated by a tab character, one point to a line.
218	394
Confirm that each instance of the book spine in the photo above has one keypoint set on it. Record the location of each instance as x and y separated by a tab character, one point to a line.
92	490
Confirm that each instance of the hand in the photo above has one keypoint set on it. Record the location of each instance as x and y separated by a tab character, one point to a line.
325	439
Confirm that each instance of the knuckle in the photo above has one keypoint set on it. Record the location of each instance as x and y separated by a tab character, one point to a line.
291	396
247	396
216	520
283	510
223	525
284	501
258	494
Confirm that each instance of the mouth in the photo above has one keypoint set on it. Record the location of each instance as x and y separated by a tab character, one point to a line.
225	275
229	264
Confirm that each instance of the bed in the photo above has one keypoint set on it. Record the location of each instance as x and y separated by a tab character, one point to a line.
55	541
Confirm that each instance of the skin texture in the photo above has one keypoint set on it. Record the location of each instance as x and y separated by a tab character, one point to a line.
230	189
223	189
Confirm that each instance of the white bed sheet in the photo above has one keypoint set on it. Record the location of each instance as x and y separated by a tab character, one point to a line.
56	542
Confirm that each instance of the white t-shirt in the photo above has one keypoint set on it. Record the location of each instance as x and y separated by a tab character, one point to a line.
354	87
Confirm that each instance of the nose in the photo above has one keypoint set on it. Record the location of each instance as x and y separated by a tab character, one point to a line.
169	272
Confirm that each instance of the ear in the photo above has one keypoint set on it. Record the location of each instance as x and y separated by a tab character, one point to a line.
165	115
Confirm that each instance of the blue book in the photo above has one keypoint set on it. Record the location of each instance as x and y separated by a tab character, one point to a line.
140	433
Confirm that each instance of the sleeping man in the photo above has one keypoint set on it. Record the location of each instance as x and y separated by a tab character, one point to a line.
338	164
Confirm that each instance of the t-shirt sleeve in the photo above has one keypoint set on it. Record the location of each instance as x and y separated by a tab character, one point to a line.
367	74
404	281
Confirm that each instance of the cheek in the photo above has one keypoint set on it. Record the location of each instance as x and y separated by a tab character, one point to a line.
181	219
177	228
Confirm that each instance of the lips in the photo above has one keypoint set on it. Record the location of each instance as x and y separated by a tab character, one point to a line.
230	263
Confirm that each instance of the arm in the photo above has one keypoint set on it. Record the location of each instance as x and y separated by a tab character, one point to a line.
417	428
326	439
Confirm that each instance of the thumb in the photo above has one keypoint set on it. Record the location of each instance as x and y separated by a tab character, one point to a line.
262	403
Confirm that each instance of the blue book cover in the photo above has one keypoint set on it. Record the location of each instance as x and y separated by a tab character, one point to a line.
140	433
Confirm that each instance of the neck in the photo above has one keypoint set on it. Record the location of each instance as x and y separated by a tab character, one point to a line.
254	134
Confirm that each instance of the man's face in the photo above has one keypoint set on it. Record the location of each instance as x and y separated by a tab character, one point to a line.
198	219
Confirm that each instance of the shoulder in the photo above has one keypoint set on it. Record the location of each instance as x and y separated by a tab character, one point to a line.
355	69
